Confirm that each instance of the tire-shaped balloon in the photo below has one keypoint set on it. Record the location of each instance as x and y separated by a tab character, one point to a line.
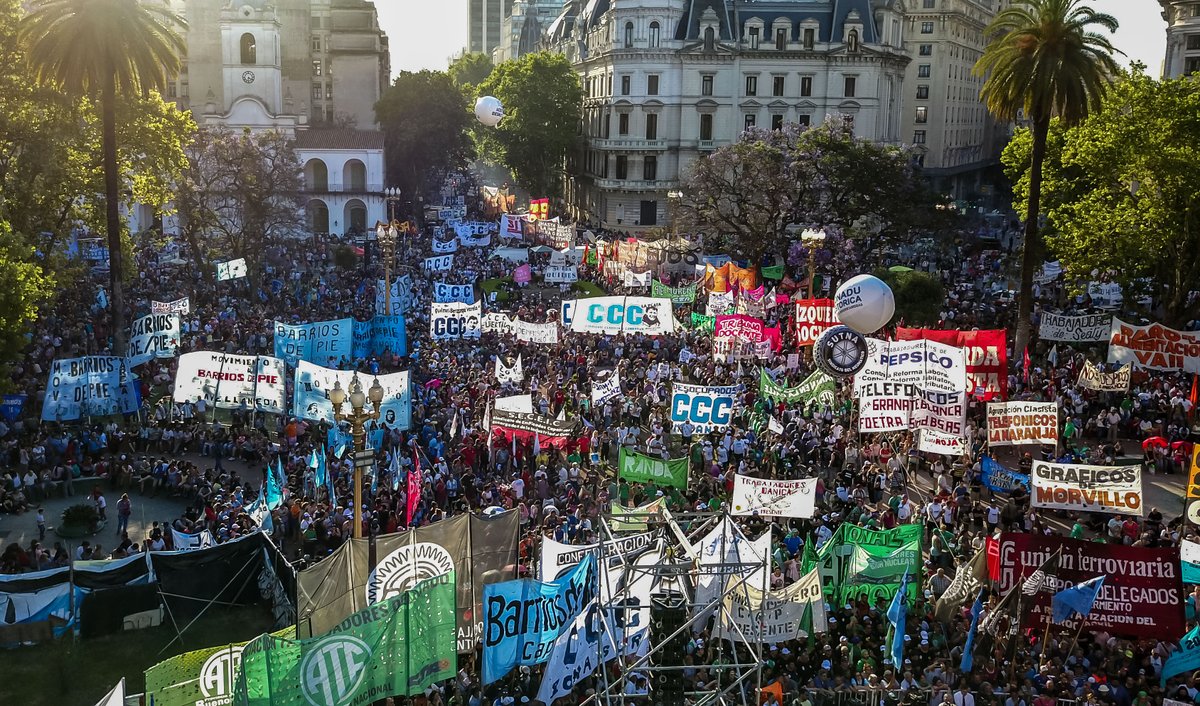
840	352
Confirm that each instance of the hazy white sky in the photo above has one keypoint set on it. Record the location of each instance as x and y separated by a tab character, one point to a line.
425	33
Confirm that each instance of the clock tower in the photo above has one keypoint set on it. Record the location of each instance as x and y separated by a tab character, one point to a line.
251	59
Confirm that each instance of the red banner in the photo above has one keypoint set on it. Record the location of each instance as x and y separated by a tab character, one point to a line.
986	354
739	326
1142	596
813	316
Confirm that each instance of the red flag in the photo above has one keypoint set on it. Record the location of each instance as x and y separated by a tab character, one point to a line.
414	489
1027	365
1195	392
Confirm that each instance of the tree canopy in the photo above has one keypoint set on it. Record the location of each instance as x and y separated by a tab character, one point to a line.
424	117
542	100
470	70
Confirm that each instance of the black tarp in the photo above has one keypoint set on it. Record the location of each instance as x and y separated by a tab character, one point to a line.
103	612
227	574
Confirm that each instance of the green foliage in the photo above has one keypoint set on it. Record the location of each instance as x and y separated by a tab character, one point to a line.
344	258
1123	192
919	296
80	515
424	117
24	287
542	100
470	70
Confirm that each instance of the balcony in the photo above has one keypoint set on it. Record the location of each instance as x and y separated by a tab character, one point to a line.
629	144
334	187
636	184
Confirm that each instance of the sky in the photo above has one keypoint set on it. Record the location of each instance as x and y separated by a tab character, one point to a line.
424	34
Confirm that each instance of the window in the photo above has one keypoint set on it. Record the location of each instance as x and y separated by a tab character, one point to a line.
625	81
171	91
929	4
852	40
749	121
922	114
710	39
777	86
652	85
1193	42
923	71
607	125
752	85
316	67
628	35
849	87
806	85
623	123
183	90
654	32
650	167
706	85
925	50
922	92
1192	65
810	36
329	92
706	126
622	167
926	28
652	126
316	43
754	37
804	119
249	50
317	92
781	39
776	122
918	137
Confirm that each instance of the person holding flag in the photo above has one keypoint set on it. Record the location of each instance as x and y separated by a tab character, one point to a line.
897	615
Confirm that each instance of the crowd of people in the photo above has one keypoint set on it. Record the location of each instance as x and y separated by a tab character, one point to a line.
215	461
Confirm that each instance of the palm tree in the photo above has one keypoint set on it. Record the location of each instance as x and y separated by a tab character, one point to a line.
100	49
1044	60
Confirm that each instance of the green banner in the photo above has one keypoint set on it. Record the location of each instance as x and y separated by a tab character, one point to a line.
200	677
876	572
772	272
841	566
678	295
701	322
640	468
396	647
817	387
634	519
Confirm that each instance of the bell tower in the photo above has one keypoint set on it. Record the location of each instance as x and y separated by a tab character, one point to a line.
250	54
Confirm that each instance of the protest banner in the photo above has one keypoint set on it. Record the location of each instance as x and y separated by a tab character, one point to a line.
1002	480
739	327
522	274
640	468
524	425
939	443
813	318
677	295
613	315
1092	378
154	336
536	333
310	398
927	364
879	567
792	613
233	269
984	352
1141	598
401	296
512	227
179	306
226	381
560	274
320	342
708	408
94	386
442	247
818	387
605	388
1154	347
764	497
1063	486
1016	423
496	322
438	263
455	321
514	373
1075	329
633	279
450	293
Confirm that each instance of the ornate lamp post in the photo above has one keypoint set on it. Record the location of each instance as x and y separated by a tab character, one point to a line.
385	235
357	417
812	239
392	194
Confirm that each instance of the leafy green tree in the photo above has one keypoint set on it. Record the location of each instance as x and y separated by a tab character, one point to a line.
1044	60
425	118
542	100
919	296
470	70
24	287
1122	193
104	49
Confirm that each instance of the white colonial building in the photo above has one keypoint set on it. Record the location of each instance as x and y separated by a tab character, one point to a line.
666	81
1183	37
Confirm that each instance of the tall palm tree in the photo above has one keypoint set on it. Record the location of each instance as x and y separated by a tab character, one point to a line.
1044	60
98	49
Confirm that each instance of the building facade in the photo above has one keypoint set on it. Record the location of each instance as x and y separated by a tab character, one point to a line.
484	20
955	139
666	81
311	69
1183	37
523	29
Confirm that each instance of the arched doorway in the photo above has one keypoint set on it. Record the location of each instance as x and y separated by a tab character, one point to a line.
316	175
354	176
355	216
318	216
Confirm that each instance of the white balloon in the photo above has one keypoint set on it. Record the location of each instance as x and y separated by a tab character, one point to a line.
864	303
489	110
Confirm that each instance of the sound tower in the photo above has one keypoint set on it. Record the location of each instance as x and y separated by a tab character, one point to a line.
668	613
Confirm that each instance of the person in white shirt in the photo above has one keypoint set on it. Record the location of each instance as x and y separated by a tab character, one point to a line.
963	697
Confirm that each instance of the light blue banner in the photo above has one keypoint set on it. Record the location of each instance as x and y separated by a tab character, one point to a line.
1001	480
522	619
1186	659
311	395
95	385
447	293
320	342
380	334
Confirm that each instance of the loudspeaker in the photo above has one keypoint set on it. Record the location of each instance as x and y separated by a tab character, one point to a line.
668	613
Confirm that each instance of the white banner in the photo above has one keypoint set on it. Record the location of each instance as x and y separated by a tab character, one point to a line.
536	333
514	373
613	315
763	497
453	321
558	558
522	404
402	296
1092	378
939	443
562	274
227	381
604	388
708	408
928	364
1062	486
190	542
313	383
445	246
234	269
719	303
1016	423
512	226
154	336
1075	329
179	306
942	412
495	322
1154	346
1105	295
637	279
439	263
449	293
774	616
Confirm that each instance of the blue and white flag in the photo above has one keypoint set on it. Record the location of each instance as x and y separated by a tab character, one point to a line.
394	469
274	489
897	615
967	656
1076	600
1189	559
1184	659
1002	480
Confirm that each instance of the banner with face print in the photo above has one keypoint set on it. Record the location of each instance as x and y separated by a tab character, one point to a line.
514	373
449	322
613	315
310	399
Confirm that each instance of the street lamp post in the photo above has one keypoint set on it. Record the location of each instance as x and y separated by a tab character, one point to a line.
673	199
385	235
392	194
812	239
357	417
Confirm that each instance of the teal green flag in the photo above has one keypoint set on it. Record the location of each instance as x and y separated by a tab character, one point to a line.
701	322
396	647
678	295
199	676
773	272
640	468
845	561
877	572
817	387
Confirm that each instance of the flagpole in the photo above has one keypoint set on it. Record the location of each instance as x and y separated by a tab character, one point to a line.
1076	638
